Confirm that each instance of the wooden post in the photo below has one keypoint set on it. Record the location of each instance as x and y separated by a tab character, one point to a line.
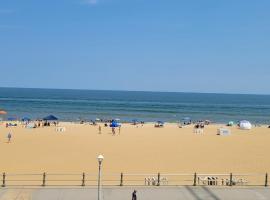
195	179
121	179
44	180
4	180
266	180
158	179
231	179
83	179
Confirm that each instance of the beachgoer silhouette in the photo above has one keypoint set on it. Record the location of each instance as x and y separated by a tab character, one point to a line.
134	195
9	137
99	129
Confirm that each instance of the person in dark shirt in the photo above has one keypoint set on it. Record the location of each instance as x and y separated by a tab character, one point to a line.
134	195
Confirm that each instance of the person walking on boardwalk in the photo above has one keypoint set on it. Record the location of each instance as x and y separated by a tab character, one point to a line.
134	195
9	137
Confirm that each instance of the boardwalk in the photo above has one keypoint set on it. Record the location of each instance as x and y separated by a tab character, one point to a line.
161	193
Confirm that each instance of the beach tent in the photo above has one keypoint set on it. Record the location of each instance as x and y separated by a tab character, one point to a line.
245	125
50	118
231	123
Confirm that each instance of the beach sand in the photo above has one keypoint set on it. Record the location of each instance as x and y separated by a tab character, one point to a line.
136	150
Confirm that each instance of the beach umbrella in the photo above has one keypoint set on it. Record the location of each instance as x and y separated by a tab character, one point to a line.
114	124
12	119
2	112
160	122
50	118
24	119
186	119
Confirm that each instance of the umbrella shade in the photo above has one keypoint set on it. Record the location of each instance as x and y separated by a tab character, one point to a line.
26	119
2	112
50	118
114	124
186	119
11	118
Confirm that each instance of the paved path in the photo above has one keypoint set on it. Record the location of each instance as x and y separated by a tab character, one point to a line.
161	193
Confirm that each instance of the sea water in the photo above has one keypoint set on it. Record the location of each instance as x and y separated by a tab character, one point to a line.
73	105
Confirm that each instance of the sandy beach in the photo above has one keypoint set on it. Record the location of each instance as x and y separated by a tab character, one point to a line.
136	150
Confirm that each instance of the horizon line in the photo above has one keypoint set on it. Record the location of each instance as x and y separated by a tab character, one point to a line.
149	91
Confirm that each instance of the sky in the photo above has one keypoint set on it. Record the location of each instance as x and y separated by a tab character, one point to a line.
220	46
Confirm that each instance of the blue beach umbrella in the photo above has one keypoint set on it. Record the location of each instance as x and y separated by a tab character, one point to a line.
114	124
25	119
50	118
12	119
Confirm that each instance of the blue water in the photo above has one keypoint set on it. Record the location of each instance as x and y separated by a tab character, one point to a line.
71	105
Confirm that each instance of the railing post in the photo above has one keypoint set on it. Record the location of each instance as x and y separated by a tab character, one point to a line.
121	179
195	179
44	180
158	179
83	179
266	180
231	179
4	180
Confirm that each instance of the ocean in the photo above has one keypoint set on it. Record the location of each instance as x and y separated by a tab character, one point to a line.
75	105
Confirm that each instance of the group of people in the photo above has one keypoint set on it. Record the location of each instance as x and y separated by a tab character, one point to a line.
113	130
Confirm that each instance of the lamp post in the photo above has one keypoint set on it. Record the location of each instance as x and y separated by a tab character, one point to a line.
100	158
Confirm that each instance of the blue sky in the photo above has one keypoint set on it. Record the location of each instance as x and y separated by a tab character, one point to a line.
154	45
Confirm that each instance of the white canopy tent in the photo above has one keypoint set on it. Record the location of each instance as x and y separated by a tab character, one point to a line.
245	125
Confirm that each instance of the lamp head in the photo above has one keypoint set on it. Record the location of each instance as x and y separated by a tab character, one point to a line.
100	158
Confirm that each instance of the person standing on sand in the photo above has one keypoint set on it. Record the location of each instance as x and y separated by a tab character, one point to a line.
9	137
113	130
99	129
119	129
134	195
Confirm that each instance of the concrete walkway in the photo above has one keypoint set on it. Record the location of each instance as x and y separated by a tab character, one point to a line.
124	193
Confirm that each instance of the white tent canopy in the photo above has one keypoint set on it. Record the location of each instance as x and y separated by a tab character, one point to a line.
245	125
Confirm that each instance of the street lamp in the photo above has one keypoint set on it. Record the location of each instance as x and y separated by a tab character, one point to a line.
100	158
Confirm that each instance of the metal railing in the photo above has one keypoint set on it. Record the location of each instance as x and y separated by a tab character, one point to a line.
127	179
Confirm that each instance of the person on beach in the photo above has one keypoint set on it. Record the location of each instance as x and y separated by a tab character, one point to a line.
134	195
119	129
9	137
99	129
113	130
